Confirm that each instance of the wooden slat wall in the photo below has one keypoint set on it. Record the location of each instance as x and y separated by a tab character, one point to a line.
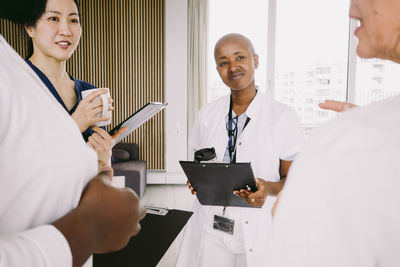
122	47
15	35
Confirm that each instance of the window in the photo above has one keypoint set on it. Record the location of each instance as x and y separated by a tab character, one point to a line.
311	45
245	17
321	70
376	79
323	81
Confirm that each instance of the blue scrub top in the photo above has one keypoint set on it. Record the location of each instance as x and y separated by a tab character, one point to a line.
79	87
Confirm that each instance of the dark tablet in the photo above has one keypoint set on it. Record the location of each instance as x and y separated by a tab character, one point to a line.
215	182
138	118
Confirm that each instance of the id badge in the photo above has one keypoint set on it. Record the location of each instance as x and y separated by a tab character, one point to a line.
223	224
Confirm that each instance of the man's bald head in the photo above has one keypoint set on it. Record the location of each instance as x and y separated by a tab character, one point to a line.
234	37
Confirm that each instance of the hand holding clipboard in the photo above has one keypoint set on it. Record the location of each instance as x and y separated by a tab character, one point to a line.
215	182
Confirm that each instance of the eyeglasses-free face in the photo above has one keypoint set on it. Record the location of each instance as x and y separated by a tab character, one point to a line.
58	31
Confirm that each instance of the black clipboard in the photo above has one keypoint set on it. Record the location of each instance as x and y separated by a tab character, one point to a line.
215	182
138	118
159	229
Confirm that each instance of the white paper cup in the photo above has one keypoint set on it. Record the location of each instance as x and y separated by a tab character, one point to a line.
104	98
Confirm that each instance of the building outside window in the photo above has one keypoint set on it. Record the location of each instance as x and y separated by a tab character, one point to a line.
376	79
312	44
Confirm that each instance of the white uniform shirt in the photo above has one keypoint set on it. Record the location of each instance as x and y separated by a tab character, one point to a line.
44	166
273	133
341	201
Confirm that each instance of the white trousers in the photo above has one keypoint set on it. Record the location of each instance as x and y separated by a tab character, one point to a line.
216	252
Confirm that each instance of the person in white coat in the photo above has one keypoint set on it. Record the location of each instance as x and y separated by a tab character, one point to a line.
345	209
55	210
268	134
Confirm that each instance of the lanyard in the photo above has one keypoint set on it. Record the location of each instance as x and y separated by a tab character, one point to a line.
232	133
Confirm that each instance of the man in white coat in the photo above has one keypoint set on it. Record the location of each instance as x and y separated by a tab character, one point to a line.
267	134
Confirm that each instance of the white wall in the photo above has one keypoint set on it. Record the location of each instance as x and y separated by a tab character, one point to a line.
175	93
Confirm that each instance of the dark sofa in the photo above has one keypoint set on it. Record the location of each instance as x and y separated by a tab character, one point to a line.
126	163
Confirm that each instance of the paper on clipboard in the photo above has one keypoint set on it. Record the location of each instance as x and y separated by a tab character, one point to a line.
138	118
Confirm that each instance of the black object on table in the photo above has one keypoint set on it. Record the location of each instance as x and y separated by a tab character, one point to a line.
148	247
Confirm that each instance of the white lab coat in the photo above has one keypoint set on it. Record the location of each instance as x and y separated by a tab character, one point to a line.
44	167
273	133
341	202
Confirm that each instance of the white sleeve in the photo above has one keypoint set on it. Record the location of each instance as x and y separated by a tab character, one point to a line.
41	246
293	135
340	203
